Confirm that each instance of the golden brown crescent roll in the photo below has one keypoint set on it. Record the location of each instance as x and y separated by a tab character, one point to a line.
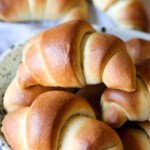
15	98
129	14
135	136
119	106
138	49
58	120
73	54
28	10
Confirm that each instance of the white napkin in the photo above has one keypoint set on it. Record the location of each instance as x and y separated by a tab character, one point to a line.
10	33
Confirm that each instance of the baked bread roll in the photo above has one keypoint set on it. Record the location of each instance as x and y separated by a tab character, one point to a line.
120	106
73	54
138	49
128	14
135	136
58	120
15	98
29	10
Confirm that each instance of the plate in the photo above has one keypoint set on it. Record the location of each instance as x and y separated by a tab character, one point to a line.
11	58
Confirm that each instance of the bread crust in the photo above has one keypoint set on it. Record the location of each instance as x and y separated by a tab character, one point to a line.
138	49
129	14
73	55
135	136
119	106
29	10
15	97
54	118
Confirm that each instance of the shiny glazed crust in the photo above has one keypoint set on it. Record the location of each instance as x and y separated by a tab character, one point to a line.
118	106
15	97
138	49
128	14
28	10
73	55
54	119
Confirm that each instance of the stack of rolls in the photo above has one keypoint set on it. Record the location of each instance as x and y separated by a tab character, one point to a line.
119	106
72	54
129	14
58	120
73	57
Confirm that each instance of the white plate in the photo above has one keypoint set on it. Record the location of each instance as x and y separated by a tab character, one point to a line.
11	58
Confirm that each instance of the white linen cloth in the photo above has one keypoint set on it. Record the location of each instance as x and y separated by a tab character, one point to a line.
10	33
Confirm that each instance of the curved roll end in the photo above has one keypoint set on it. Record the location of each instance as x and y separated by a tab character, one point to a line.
10	13
134	15
103	5
15	97
79	11
13	128
119	73
129	14
119	106
24	78
138	49
84	133
114	116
